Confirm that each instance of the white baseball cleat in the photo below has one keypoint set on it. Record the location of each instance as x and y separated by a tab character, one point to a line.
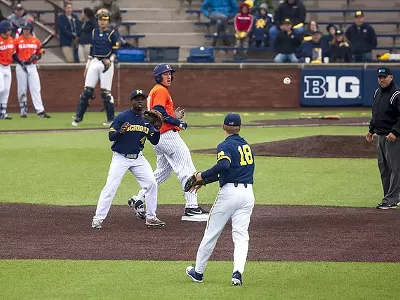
107	124
74	123
97	223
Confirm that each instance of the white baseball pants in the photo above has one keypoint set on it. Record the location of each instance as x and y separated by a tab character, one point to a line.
232	202
33	81
141	169
5	85
173	155
95	72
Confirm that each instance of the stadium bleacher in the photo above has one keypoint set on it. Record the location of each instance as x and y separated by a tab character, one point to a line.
153	23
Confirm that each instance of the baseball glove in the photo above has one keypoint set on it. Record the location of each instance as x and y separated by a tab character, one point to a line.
154	117
107	64
192	184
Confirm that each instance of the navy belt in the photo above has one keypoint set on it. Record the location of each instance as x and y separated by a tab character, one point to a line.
131	156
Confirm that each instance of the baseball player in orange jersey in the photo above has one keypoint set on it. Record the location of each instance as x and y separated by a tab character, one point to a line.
172	152
7	55
28	50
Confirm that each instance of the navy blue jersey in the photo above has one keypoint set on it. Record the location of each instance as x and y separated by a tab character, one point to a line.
104	43
236	150
133	140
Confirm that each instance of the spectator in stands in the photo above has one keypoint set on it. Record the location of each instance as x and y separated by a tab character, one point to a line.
257	3
69	28
262	24
340	50
289	9
315	50
243	24
88	24
19	17
219	12
331	30
362	38
286	43
311	27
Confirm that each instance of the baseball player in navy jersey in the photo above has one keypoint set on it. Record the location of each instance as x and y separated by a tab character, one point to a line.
172	152
99	66
129	132
234	171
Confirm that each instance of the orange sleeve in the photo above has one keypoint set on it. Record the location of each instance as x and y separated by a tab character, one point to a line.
159	97
39	43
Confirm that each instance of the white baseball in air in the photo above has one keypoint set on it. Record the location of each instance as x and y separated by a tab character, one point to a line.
286	80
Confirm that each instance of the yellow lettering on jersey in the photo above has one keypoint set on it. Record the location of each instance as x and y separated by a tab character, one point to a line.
246	157
221	155
143	140
138	128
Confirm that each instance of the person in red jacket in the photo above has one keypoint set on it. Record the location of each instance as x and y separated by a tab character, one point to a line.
243	25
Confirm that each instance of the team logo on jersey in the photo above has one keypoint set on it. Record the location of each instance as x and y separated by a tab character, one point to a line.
6	47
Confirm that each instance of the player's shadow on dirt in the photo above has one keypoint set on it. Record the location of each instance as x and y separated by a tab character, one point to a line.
319	146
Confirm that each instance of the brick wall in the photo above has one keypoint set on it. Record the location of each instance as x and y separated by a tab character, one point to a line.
200	88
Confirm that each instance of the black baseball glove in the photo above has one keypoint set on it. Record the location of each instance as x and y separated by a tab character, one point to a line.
154	117
107	64
192	184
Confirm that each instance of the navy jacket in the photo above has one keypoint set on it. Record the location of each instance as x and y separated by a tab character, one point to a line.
363	39
68	30
133	140
296	12
86	35
287	44
307	48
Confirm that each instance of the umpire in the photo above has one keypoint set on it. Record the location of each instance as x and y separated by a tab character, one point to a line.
385	123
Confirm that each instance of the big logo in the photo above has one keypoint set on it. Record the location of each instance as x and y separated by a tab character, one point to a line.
332	87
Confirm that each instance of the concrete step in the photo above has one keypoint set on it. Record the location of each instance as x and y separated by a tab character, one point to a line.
165	26
193	39
137	13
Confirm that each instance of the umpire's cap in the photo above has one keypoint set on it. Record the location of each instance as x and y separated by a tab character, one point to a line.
383	71
136	93
5	26
233	119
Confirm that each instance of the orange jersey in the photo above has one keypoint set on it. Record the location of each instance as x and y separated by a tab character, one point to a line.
26	47
159	95
6	51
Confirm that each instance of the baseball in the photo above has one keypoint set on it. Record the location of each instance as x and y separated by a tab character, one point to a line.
286	80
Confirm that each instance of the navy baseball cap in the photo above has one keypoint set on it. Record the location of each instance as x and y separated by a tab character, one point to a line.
136	93
233	119
338	32
384	72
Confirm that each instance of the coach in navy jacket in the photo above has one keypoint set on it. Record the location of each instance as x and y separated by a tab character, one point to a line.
69	28
362	38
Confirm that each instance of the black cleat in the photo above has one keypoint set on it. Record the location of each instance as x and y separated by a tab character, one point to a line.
386	206
5	117
43	115
195	211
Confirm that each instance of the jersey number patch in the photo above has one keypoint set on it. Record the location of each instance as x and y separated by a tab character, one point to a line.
246	158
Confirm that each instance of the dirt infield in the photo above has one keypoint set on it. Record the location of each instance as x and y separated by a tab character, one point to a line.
277	233
320	146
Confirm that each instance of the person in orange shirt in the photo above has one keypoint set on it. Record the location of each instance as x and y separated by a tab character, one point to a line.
27	49
172	152
6	58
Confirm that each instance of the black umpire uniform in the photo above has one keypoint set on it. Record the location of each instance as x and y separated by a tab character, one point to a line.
385	123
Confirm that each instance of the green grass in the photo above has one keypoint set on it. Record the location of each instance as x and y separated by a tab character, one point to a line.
52	279
95	119
42	168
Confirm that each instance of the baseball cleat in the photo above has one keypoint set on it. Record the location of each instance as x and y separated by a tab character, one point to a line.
107	124
97	223
196	277
5	117
195	211
23	115
138	207
237	278
74	123
43	115
154	222
386	206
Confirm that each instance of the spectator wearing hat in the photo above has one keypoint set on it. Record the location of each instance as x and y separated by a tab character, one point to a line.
316	49
219	12
286	44
385	123
243	24
18	19
362	38
331	30
69	28
289	9
340	50
262	24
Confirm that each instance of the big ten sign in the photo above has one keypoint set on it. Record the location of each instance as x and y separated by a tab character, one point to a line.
331	87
